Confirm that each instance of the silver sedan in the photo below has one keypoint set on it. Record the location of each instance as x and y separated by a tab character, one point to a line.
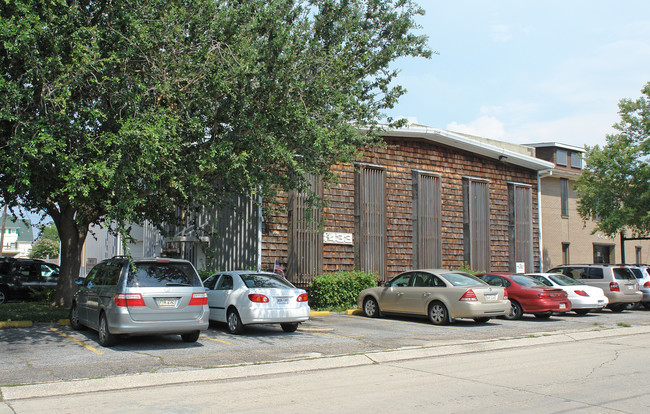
439	294
241	298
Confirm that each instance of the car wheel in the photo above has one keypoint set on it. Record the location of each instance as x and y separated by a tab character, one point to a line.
235	326
515	311
543	315
3	296
481	320
633	306
617	308
74	318
289	327
191	337
581	311
371	308
438	314
106	338
646	305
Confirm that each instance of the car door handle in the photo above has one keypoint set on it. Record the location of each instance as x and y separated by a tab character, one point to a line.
425	294
400	293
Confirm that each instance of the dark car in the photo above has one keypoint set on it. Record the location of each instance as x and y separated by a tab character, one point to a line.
528	295
21	278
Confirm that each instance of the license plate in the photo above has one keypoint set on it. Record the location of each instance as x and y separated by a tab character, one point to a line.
282	301
491	298
166	302
562	305
630	287
601	302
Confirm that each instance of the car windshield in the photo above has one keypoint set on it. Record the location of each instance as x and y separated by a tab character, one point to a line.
160	274
623	273
564	280
261	280
526	280
463	279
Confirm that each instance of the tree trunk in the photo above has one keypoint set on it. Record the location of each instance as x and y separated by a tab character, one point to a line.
73	237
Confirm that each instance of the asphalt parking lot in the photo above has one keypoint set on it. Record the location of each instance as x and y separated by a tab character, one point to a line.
48	352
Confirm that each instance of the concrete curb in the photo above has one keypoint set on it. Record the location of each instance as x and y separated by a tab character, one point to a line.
307	364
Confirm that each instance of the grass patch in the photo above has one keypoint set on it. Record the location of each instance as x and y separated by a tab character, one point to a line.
624	325
32	311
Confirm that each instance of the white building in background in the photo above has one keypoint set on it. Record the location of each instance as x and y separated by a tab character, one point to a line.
18	237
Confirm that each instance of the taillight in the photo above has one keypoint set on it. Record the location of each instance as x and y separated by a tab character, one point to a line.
505	293
468	296
257	298
543	295
128	299
646	284
302	297
581	293
613	286
199	299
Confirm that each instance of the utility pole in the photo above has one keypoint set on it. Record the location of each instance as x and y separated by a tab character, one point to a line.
2	234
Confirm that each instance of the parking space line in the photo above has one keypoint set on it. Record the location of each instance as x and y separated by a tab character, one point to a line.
88	347
217	340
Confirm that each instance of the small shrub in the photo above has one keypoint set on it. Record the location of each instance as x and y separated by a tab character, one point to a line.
337	291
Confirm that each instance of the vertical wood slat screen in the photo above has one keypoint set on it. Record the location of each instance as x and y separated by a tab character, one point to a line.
306	243
236	235
521	237
372	220
477	224
427	228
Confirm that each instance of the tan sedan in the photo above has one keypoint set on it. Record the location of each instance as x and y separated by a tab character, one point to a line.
439	294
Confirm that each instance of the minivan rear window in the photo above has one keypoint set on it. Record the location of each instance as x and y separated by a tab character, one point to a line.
156	274
623	273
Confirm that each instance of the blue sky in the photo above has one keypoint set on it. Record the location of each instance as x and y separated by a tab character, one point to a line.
524	71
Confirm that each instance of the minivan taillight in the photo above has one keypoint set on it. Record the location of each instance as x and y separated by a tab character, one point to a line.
613	286
468	296
302	297
128	299
199	299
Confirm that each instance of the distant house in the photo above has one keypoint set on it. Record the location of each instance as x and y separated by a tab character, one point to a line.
566	238
18	237
428	198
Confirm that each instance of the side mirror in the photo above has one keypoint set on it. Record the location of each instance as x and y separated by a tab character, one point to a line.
387	284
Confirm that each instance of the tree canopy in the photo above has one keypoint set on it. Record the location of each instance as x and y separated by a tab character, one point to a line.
124	110
614	187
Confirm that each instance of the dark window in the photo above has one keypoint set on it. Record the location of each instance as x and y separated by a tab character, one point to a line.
402	280
210	282
594	273
225	283
521	226
602	254
566	257
564	197
476	224
159	274
427	220
639	255
576	160
561	157
305	238
370	222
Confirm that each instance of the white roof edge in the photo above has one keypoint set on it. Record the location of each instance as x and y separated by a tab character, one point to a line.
459	141
556	144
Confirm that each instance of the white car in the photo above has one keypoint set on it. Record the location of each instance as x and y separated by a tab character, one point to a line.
642	274
245	297
583	298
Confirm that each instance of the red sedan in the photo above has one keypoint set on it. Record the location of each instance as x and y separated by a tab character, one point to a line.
528	295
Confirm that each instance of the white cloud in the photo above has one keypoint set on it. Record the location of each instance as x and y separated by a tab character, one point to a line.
485	126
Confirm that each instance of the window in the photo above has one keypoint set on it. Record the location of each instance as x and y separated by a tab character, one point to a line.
602	254
561	157
305	238
476	223
427	246
566	257
564	197
638	254
370	219
576	160
520	228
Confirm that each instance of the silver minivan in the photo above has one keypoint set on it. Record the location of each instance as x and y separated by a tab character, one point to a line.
617	281
140	297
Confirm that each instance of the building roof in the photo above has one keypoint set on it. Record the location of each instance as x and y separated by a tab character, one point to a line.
556	145
510	153
25	231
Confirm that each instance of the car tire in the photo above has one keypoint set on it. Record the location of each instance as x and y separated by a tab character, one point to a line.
481	319
106	339
234	323
371	307
74	318
289	327
4	297
618	308
438	314
543	315
633	306
516	311
646	305
191	337
581	311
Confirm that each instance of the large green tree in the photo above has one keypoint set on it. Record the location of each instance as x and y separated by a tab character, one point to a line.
614	188
125	110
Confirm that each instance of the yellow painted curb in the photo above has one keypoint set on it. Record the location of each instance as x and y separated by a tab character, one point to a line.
16	324
63	322
319	313
354	312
